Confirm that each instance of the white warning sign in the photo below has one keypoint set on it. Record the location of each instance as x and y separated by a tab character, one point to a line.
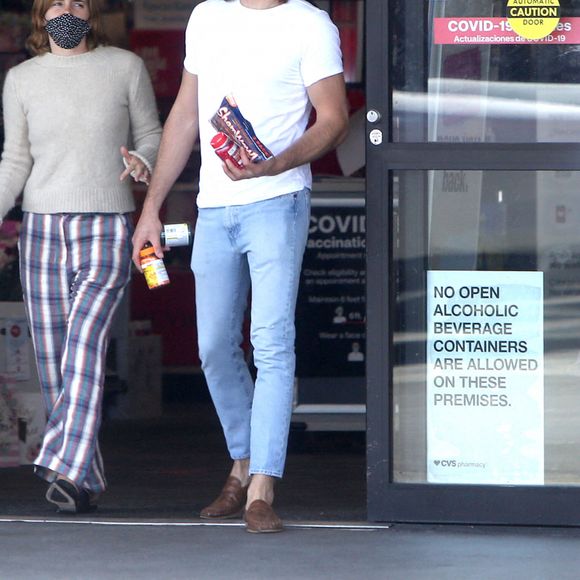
485	377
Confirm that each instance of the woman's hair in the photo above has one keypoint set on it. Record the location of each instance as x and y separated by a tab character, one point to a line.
37	43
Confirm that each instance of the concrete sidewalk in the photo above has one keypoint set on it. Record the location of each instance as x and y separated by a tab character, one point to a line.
196	550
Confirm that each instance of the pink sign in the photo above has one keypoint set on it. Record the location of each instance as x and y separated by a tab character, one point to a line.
498	31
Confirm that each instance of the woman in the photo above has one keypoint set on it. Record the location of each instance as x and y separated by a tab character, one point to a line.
69	114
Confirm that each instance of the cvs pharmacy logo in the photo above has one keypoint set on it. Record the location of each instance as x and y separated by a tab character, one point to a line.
445	462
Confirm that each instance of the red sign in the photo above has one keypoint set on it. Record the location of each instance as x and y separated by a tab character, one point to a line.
498	31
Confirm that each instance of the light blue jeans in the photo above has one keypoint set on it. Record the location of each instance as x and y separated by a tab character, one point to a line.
258	246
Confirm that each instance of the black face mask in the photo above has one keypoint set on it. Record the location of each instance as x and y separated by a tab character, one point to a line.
67	30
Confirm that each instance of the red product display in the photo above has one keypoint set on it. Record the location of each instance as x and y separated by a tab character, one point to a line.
225	148
160	50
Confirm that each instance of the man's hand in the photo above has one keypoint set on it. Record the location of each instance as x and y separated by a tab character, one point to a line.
235	173
328	97
148	230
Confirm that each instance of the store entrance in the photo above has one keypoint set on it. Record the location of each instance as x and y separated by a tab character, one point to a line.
162	445
473	265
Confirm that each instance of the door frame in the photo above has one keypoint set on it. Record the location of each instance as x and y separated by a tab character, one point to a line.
387	500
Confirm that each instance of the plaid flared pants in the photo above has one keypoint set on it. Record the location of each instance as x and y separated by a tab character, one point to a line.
74	269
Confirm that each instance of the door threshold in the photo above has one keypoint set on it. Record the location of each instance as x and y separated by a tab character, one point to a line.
196	522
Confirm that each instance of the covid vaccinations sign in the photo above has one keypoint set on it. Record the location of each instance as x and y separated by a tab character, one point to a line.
485	377
331	309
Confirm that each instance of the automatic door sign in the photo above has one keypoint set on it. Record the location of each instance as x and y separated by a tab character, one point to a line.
533	19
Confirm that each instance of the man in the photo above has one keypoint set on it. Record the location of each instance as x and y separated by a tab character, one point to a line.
278	58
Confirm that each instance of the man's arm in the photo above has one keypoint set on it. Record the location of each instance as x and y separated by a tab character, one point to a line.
328	97
177	141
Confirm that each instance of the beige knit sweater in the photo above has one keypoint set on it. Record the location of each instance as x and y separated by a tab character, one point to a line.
65	118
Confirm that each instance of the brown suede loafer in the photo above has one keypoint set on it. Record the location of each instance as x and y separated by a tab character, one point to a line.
229	503
262	519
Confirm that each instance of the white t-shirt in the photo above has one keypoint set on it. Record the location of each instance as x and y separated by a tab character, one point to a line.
266	59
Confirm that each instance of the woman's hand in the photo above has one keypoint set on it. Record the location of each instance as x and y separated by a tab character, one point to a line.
134	167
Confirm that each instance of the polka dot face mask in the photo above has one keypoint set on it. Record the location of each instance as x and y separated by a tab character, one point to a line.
67	30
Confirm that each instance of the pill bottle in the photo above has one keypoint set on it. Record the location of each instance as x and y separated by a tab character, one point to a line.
225	148
153	267
174	235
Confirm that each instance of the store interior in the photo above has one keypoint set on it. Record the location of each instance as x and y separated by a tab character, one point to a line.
164	452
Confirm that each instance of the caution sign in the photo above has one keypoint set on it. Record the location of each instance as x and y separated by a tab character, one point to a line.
533	19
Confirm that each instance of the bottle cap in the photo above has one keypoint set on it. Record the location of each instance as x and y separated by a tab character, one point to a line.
219	140
147	250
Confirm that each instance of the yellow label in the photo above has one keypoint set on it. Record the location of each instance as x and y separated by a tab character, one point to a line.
533	19
155	274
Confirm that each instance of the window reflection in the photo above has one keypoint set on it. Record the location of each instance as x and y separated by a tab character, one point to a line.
484	92
488	221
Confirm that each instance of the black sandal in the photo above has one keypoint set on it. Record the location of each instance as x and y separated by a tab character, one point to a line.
69	498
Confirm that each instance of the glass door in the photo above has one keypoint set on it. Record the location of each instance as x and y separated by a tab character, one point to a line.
473	257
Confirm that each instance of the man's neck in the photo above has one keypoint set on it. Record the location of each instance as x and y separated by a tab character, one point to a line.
260	4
